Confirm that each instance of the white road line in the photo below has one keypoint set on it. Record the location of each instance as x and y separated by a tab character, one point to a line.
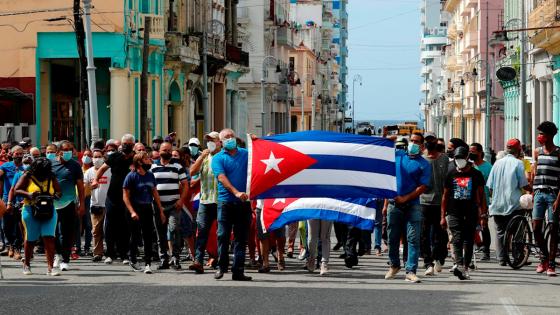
510	306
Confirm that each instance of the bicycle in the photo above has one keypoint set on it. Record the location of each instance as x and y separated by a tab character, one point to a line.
518	242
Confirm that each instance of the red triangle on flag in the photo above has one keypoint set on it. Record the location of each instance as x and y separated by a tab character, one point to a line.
273	208
272	163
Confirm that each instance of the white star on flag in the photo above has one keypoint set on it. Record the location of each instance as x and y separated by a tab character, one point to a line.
272	163
280	200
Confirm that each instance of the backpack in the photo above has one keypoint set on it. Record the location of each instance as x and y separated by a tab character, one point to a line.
42	206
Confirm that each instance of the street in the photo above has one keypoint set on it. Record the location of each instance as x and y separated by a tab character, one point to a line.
102	289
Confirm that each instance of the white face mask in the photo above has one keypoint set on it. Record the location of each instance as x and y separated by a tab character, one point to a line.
211	146
461	163
98	162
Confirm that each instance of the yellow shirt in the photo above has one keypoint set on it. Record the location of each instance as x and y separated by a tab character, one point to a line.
32	187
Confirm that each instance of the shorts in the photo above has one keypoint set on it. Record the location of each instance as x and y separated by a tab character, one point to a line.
542	206
35	229
181	220
278	233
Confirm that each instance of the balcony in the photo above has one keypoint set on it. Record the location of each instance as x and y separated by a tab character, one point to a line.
243	17
546	14
182	48
471	4
157	30
424	87
285	36
430	54
236	55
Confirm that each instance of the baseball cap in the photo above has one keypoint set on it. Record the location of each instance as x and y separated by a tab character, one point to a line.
513	144
157	139
212	135
194	141
429	134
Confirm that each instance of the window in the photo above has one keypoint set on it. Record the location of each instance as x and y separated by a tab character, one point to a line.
145	6
292	63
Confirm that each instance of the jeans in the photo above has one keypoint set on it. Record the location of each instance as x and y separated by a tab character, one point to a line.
65	231
207	214
462	227
84	223
378	228
434	239
401	219
141	228
319	229
236	216
12	229
173	234
117	233
161	229
501	222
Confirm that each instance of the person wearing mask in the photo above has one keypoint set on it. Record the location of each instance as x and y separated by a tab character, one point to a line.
404	214
194	147
452	145
156	142
505	182
463	204
83	225
155	156
11	219
477	155
139	147
441	145
35	152
70	177
434	239
173	187
116	229
234	209
97	204
546	184
38	179
139	194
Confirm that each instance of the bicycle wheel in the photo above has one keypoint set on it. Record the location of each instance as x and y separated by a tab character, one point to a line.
518	240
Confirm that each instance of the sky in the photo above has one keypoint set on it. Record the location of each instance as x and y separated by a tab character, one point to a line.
384	48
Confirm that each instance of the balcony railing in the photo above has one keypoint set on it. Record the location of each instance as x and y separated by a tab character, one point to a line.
546	13
157	30
236	55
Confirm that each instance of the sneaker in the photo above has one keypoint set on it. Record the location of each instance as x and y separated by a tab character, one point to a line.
392	272
551	271
459	272
197	268
411	277
175	263
324	269
135	266
53	273
57	261
64	266
148	270
466	275
542	267
429	271
311	265
290	254
438	267
485	257
302	254
452	269
108	260
97	258
74	256
27	270
126	262
163	265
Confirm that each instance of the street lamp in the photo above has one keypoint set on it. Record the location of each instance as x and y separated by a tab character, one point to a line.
266	61
453	108
357	78
462	83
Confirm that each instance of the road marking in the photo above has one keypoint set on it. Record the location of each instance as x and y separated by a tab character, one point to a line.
510	306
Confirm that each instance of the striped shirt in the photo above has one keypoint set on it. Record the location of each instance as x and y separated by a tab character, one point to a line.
548	170
208	182
168	178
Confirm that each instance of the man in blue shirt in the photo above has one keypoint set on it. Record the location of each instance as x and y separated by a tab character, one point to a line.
404	214
234	209
12	218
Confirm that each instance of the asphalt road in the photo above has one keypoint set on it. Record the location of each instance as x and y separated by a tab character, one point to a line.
102	289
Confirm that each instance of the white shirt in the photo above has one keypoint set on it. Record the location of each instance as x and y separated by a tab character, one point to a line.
98	195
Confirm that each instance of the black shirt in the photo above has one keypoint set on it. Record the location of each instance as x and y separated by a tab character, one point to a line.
463	187
120	167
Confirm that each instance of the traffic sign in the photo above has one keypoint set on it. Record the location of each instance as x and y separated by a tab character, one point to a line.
348	119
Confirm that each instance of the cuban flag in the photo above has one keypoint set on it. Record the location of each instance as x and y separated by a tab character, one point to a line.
277	213
315	164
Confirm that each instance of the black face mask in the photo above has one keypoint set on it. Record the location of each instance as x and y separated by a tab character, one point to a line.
127	148
165	156
146	167
440	147
18	160
173	160
473	157
431	146
451	153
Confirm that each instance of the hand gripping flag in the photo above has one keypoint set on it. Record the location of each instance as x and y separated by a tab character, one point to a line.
358	212
314	164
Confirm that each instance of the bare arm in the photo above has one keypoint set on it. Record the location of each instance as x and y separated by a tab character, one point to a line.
412	195
195	168
534	166
99	174
184	190
444	201
19	188
81	197
227	184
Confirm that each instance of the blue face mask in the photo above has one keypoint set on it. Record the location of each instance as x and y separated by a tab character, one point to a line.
26	167
413	149
230	144
67	155
194	150
51	156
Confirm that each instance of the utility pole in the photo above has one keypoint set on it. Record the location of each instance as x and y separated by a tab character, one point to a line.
523	117
205	106
313	107
82	62
488	113
92	85
474	82
144	82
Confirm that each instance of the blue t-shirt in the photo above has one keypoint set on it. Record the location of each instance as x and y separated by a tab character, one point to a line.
67	174
485	168
234	167
10	170
140	187
411	173
18	175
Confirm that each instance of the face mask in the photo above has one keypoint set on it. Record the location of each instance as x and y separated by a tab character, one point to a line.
127	148
67	155
165	156
431	146
146	167
413	149
473	157
110	152
542	139
18	160
194	150
211	146
230	144
26	167
156	161
461	163
51	156
440	147
98	162
450	153
174	160
86	159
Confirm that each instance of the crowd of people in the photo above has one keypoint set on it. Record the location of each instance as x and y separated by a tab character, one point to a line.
121	199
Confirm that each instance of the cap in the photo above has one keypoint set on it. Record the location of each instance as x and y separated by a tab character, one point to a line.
429	134
157	139
212	135
401	141
513	144
26	140
194	141
461	153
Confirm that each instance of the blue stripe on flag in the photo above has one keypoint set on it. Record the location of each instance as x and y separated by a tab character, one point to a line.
352	163
329	215
332	191
327	136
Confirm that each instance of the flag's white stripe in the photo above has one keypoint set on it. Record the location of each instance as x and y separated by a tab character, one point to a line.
345	149
343	178
332	205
